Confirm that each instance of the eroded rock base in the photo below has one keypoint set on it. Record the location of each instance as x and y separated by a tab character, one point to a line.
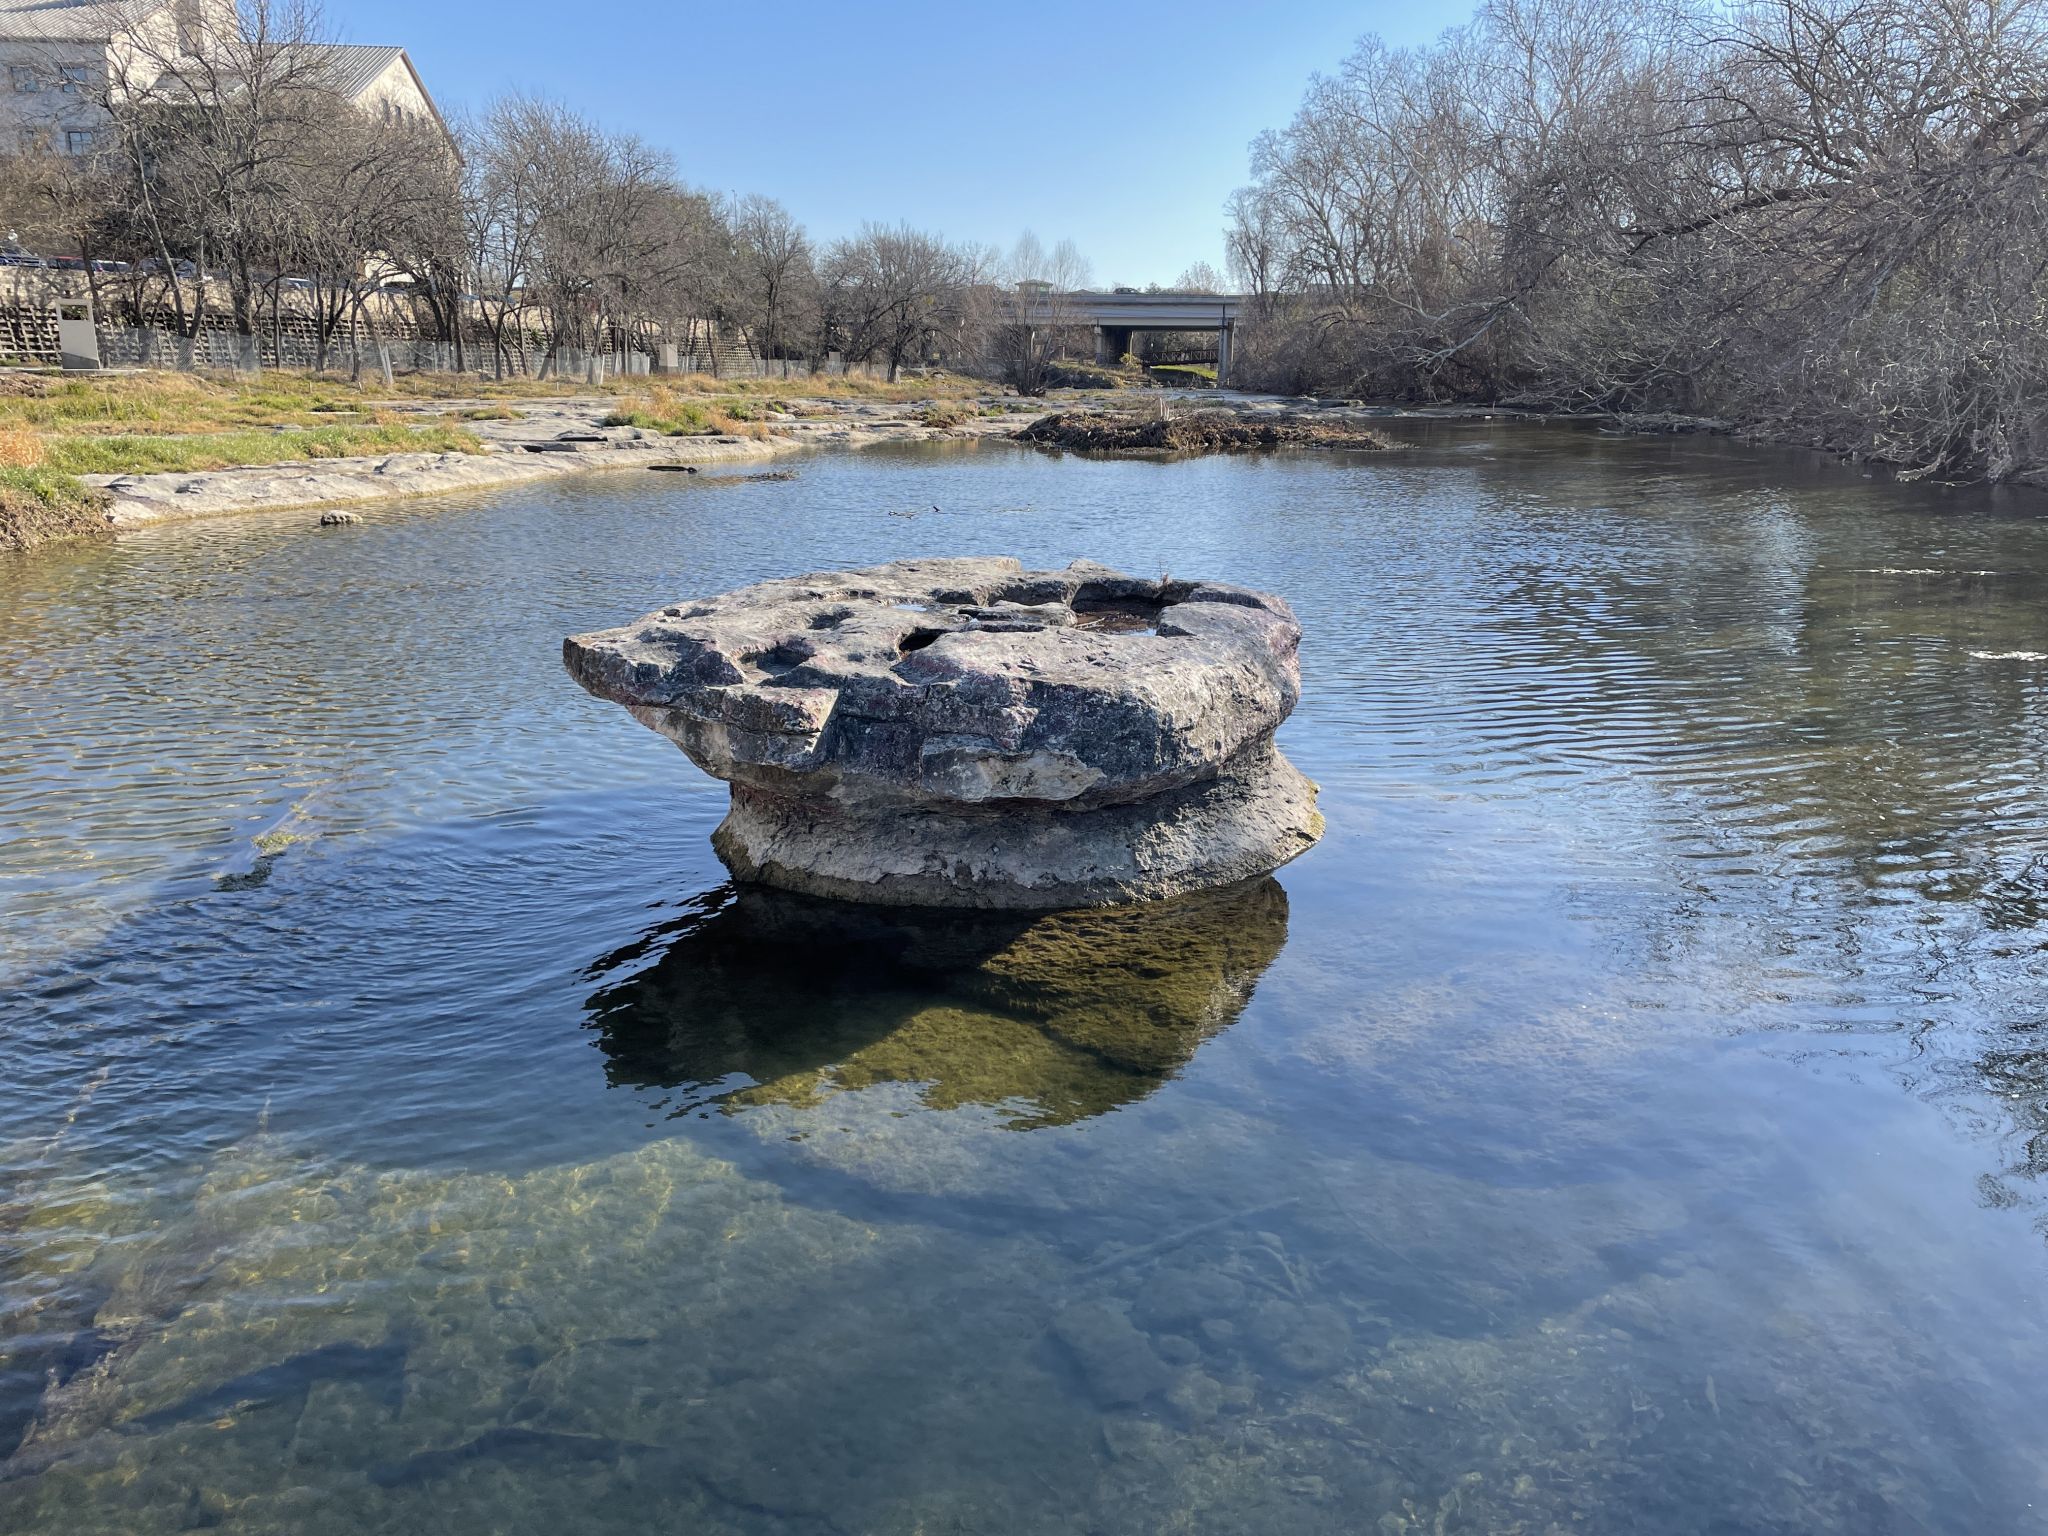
1246	822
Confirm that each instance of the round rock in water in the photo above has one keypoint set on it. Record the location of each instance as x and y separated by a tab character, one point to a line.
969	733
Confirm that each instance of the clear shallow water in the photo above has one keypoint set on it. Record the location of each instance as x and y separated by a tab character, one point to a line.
1630	1118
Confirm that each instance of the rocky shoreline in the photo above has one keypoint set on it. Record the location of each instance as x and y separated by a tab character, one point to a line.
537	440
543	440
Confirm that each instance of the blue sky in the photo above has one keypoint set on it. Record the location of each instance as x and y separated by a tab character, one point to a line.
977	121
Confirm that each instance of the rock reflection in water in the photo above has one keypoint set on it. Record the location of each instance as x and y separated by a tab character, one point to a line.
766	997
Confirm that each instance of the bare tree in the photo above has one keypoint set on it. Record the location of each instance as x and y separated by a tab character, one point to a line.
367	200
1819	217
1028	319
213	119
774	278
894	292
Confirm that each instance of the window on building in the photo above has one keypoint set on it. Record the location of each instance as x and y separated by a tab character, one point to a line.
25	78
74	79
78	141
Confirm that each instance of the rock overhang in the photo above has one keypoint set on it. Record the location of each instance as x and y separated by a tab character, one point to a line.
964	681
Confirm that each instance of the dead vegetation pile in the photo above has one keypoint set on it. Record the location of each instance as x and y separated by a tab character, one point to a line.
1196	432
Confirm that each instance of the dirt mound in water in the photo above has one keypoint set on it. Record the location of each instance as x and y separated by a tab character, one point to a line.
38	511
1198	432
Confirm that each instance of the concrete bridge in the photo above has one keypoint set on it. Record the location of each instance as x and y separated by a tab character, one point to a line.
1116	316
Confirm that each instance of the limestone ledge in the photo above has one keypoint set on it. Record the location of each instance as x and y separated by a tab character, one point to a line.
550	439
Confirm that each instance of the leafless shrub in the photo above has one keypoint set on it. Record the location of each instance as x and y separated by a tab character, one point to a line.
1825	217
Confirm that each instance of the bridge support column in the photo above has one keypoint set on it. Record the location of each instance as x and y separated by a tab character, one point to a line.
1223	354
1111	343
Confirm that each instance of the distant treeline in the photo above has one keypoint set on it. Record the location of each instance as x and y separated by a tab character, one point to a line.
238	154
1827	219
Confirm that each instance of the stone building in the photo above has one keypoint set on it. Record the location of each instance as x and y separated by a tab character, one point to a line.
62	60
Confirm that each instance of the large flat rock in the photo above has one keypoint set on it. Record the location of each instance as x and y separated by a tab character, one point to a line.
959	682
968	732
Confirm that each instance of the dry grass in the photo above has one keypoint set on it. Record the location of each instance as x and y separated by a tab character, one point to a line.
183	402
20	447
143	423
824	386
664	409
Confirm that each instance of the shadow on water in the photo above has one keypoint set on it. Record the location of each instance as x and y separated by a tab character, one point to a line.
761	997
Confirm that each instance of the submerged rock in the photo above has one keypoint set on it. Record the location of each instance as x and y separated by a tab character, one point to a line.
1116	1360
1045	1017
969	733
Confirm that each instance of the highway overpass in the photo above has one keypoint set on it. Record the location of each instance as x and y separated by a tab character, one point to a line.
1116	316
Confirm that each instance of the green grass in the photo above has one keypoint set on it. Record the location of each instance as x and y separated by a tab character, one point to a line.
1174	373
55	404
130	454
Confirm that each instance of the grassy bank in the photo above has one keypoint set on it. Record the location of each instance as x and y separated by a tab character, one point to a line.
37	505
671	412
51	436
137	454
55	428
183	402
828	387
186	403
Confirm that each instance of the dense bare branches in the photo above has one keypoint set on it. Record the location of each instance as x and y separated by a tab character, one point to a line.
774	280
1822	215
243	156
895	293
1021	316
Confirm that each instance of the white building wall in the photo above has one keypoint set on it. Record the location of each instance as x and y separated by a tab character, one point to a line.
395	95
130	61
55	105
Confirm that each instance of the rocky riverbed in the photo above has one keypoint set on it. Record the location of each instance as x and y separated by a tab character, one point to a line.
536	440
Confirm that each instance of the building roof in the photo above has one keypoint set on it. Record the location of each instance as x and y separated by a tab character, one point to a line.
72	21
352	68
355	67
